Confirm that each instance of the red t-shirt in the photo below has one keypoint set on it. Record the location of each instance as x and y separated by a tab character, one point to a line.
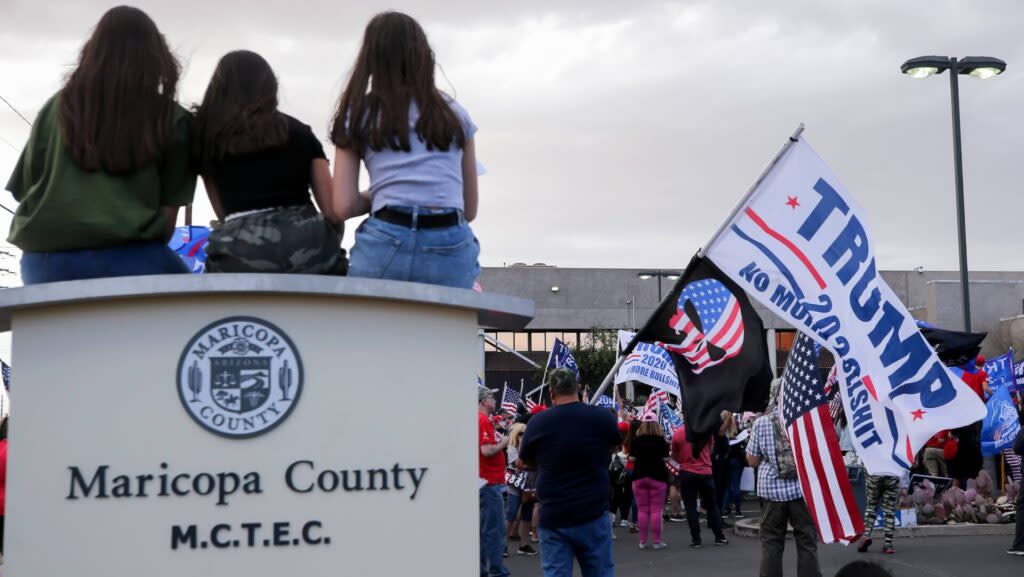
492	469
682	452
937	441
975	381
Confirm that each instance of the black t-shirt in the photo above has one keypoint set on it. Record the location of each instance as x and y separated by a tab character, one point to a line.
278	176
571	445
650	452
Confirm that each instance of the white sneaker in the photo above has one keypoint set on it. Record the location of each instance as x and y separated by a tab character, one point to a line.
643	545
1017	552
624	523
659	545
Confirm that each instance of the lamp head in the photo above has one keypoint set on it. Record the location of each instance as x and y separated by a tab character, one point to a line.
982	67
925	66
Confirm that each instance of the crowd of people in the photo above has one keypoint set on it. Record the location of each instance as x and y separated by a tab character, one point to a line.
116	134
576	472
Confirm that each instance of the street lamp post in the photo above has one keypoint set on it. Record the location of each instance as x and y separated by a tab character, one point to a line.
648	274
980	67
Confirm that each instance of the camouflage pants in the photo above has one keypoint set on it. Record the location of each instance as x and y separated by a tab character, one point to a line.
295	239
884	492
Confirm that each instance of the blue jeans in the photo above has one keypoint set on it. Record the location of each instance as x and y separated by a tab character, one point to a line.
125	260
731	494
441	256
589	543
492	532
515	503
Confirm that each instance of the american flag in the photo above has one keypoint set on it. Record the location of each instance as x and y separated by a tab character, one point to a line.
835	404
510	401
719	323
530	404
657	397
5	369
819	462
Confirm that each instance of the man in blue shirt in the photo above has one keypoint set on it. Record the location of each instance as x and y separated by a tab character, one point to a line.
777	484
571	445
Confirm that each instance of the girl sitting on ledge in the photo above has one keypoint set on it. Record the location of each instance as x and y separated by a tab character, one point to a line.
417	145
107	164
258	165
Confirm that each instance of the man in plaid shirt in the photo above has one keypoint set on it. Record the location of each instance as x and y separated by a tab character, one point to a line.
784	501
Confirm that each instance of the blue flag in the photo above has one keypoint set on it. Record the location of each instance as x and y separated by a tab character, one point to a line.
561	356
670	421
1000	372
189	242
605	401
1001	425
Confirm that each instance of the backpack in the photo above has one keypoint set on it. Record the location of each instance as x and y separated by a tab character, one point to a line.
617	471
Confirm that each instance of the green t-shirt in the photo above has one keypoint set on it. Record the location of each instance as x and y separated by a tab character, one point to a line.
62	207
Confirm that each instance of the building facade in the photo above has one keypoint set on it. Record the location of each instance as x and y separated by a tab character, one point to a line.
571	302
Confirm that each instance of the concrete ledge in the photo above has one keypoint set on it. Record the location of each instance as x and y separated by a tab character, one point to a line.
493	310
751	528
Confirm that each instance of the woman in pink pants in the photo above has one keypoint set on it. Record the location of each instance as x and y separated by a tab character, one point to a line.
648	453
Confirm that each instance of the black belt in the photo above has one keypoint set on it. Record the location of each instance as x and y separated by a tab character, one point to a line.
427	220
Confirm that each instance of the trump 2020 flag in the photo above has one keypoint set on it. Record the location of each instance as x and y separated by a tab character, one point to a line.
1001	424
800	245
1000	372
716	342
819	460
649	363
561	356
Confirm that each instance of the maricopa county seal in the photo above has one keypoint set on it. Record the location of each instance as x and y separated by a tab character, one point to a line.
239	377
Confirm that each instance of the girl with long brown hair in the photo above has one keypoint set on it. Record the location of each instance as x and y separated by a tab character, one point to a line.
417	145
258	165
107	164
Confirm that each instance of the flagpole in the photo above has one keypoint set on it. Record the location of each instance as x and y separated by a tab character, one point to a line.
743	200
611	375
544	377
739	205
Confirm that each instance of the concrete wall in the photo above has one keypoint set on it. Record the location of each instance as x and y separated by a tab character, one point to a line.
991	301
589	297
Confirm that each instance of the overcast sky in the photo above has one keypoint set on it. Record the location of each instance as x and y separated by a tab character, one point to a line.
620	134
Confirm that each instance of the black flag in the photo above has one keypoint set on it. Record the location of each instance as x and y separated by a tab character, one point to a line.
717	342
953	347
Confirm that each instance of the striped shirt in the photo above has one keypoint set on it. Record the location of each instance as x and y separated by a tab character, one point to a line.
762	445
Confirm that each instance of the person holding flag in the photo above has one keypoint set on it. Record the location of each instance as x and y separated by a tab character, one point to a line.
769	451
570	445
